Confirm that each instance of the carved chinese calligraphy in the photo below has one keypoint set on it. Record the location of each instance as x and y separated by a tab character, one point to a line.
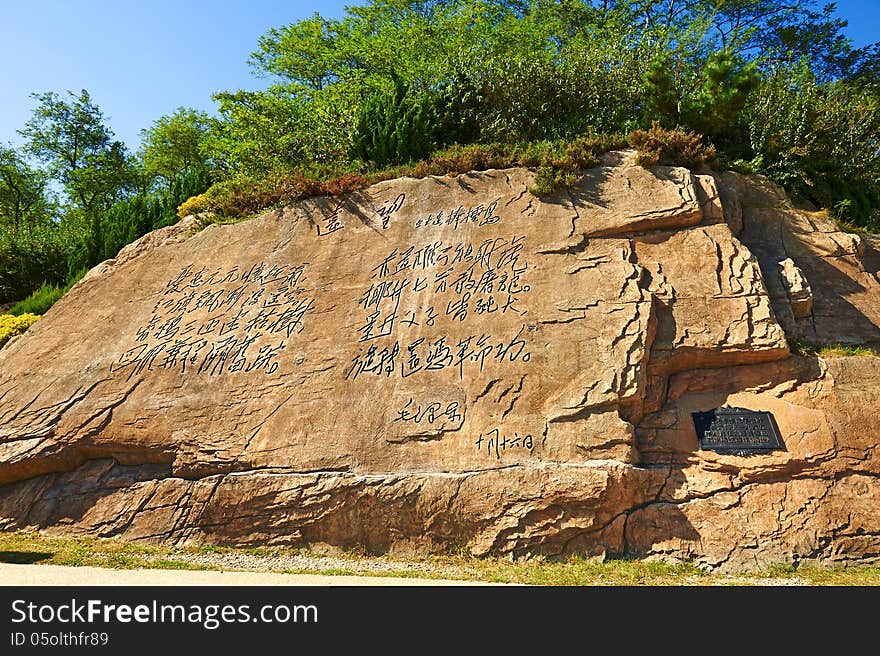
222	321
413	287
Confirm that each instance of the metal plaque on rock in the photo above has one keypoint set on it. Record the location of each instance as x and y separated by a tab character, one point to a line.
737	430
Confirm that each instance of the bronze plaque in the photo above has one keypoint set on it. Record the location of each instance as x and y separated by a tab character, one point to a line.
737	430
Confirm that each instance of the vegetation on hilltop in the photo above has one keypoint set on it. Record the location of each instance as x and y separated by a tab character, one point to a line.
773	84
72	196
433	86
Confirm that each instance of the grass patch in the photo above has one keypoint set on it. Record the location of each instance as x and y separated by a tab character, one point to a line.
40	300
35	548
841	350
803	347
847	226
857	575
869	229
549	180
84	551
170	563
577	570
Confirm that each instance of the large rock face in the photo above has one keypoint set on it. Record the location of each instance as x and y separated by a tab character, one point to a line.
453	362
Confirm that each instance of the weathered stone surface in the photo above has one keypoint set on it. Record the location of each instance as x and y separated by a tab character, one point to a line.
549	509
785	506
628	199
713	308
800	296
842	268
781	522
178	232
730	201
710	199
453	362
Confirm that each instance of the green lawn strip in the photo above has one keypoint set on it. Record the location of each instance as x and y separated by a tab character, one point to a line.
857	575
33	547
339	571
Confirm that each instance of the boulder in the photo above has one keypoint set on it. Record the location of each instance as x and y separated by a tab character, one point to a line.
454	363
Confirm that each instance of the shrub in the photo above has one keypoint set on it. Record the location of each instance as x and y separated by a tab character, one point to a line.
193	205
663	146
819	141
571	155
474	157
47	295
243	196
708	98
716	108
29	258
237	196
395	127
549	179
102	233
39	301
11	325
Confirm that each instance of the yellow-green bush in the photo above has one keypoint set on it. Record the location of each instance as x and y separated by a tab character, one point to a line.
12	325
193	205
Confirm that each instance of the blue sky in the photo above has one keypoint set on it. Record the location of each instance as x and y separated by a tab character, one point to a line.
139	59
142	59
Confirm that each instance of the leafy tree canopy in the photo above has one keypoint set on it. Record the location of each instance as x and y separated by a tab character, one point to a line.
393	79
24	201
71	138
175	145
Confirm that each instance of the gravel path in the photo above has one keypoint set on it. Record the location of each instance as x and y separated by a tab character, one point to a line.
384	567
299	562
46	575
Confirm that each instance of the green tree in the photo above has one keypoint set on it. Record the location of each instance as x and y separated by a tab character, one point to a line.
819	140
663	95
395	127
175	145
70	137
24	202
723	88
514	70
307	53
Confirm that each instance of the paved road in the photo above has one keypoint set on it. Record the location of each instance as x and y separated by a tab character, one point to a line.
61	575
